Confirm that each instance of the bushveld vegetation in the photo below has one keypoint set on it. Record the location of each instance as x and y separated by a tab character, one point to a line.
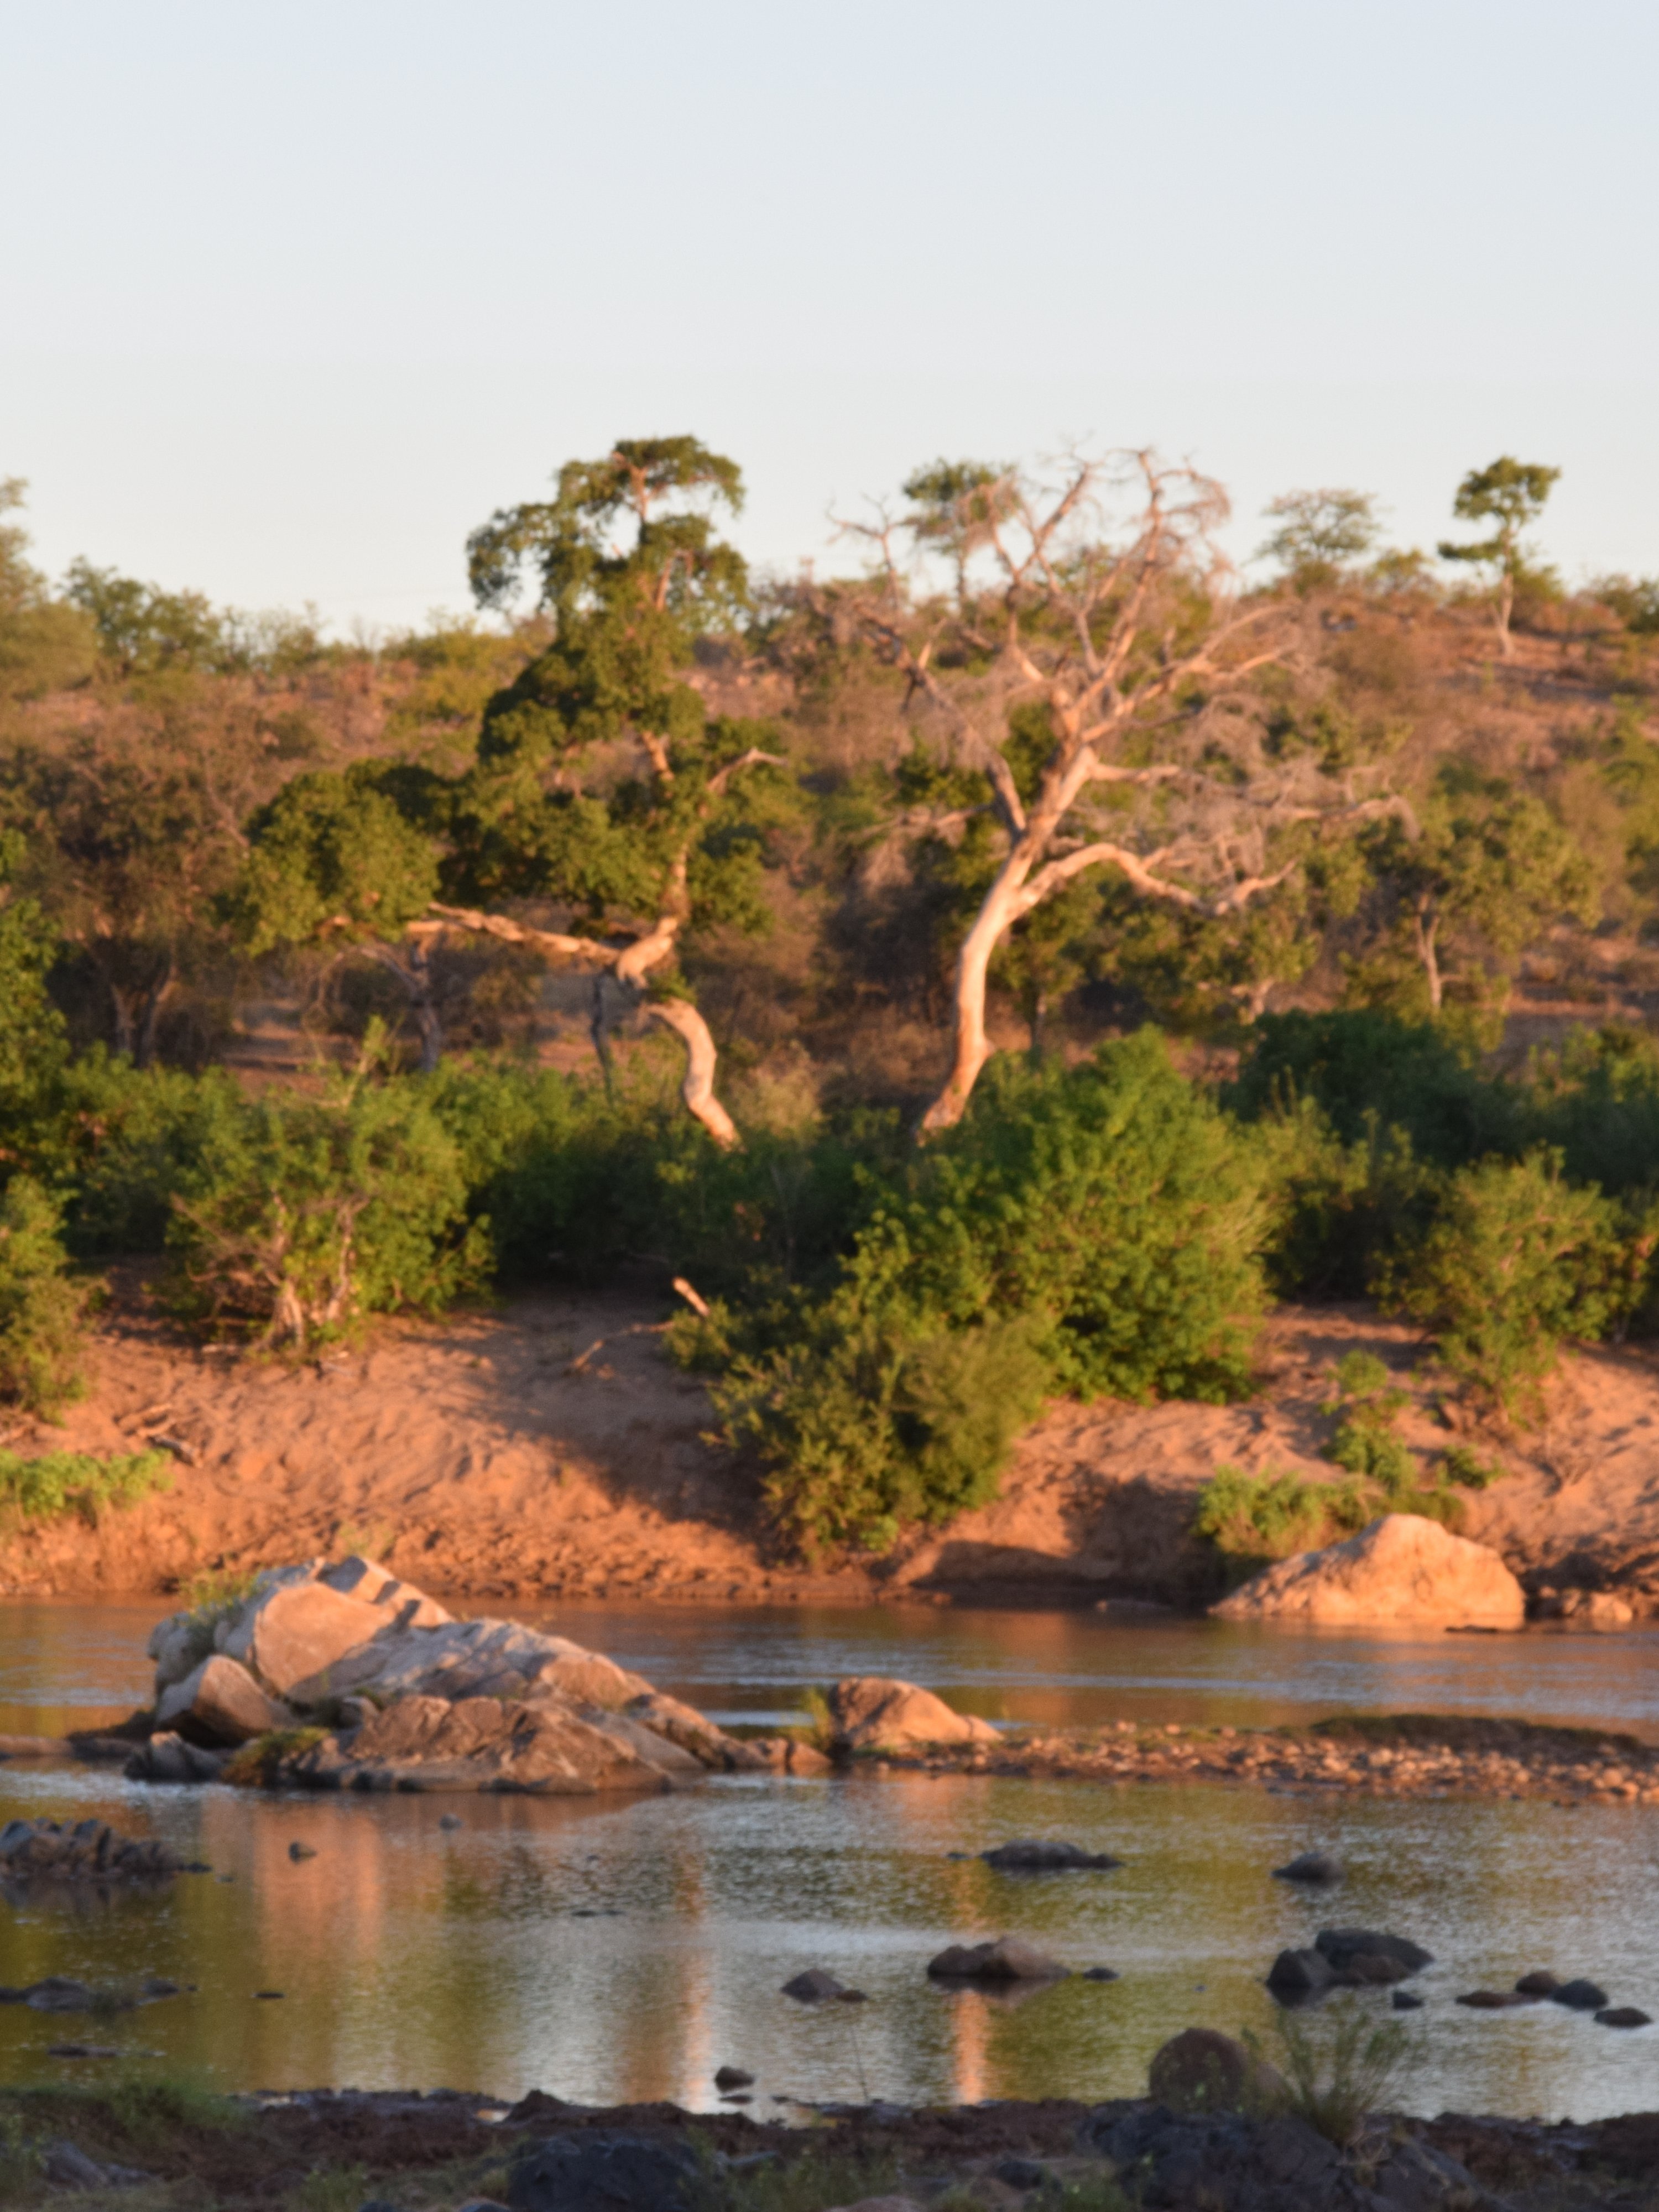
996	973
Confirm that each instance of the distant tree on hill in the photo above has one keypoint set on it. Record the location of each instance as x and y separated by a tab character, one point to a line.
1484	871
1319	534
1509	494
45	642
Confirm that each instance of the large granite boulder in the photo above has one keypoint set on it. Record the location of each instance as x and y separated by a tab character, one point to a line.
871	1712
220	1702
382	1688
1403	1570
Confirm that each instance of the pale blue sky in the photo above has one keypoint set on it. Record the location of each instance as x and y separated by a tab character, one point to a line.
292	294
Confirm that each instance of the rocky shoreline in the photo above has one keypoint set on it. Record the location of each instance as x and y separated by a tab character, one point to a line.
446	2149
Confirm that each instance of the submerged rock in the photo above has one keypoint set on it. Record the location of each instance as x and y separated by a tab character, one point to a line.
1040	1855
814	1986
168	1757
874	1712
1577	1997
1403	1568
89	1850
1007	1960
1343	1946
1314	1867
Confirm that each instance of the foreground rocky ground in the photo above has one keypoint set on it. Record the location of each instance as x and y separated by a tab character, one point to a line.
163	2149
551	1450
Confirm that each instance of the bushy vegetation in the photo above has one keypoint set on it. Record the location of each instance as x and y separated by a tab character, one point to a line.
1257	926
52	1484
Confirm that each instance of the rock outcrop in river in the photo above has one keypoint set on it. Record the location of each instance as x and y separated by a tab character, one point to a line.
342	1677
1403	1569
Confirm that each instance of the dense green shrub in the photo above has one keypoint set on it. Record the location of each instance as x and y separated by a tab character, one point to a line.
40	1308
1516	1260
1366	1441
1092	1230
303	1214
57	1483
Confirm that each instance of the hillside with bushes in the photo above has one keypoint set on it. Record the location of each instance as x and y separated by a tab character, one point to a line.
1000	975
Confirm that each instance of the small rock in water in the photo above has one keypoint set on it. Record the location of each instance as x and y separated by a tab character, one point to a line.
451	1820
263	1995
1098	1974
1494	2000
1311	1867
812	1986
1403	2000
1579	1997
1009	1960
1342	1945
1295	1974
1541	1984
1624	2016
82	2050
1040	1855
297	1851
734	2077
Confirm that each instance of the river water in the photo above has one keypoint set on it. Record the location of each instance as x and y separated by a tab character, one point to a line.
622	1949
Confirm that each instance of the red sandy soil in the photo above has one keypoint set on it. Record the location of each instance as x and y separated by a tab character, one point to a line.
478	1457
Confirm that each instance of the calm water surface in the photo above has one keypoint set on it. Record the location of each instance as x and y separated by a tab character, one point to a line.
619	1949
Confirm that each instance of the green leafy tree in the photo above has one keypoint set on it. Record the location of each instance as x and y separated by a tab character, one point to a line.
1509	495
46	643
33	1041
642	853
142	629
1319	534
41	1342
335	860
1484	871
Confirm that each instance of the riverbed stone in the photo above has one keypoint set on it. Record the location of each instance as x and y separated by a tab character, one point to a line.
814	1986
1343	1946
1539	1984
545	1748
875	1712
1008	1959
219	1702
1624	2016
1402	1568
295	1634
601	2172
1300	1973
1579	1996
1044	1855
1315	1868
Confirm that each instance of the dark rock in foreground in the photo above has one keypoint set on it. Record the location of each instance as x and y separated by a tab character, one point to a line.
604	2173
89	1850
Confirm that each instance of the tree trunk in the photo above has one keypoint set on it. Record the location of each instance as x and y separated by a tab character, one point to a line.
698	1088
1428	928
598	1028
125	1027
970	1047
159	991
424	1008
1505	608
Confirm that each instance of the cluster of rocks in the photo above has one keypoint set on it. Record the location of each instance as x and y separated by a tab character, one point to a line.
62	1993
1346	1958
1580	1994
83	1851
340	1676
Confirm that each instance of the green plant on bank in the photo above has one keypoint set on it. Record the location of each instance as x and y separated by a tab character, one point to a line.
818	1729
1338	2070
57	1483
814	2182
1367	1405
213	1596
1516	1260
152	2109
22	2166
1468	1469
1253	1518
305	1214
41	1341
1085	1230
254	1766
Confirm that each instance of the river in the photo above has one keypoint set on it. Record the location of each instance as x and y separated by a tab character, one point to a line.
609	1950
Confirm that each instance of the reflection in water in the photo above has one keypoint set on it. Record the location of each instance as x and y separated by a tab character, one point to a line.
609	1950
622	1951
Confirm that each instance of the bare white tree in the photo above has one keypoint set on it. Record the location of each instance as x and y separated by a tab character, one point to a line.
1126	629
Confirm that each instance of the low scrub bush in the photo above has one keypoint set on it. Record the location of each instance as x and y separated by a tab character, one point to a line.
41	1341
1093	1230
1338	2070
57	1483
1254	1518
1516	1260
304	1214
1366	1442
